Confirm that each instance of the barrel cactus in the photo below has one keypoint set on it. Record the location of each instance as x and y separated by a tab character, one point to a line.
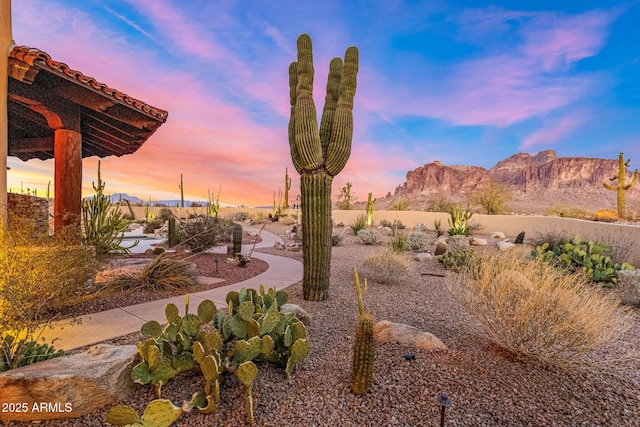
237	240
319	154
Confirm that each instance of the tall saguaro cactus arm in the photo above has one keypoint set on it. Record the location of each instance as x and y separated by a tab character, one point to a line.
622	187
319	153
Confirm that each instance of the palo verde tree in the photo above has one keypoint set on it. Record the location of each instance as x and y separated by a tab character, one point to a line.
319	154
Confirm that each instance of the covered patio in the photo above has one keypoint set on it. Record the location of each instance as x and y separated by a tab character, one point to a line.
55	112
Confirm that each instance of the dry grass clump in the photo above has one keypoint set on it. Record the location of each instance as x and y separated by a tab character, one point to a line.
535	311
564	211
606	215
162	273
387	267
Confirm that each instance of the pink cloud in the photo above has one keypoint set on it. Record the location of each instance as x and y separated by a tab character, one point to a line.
552	132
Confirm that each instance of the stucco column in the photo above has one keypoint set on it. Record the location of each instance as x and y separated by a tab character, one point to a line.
67	204
5	44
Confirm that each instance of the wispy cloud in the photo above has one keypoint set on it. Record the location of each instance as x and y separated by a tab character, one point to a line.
553	131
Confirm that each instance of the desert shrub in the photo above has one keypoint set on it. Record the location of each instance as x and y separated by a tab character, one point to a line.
39	276
420	227
459	260
399	242
241	216
164	214
151	226
437	225
606	215
287	220
387	267
552	236
418	241
458	243
396	224
161	273
204	232
401	205
440	204
535	311
565	211
621	246
336	239
492	198
385	223
359	223
369	237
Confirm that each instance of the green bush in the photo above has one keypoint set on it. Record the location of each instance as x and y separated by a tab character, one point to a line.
459	261
492	198
399	242
359	223
204	232
440	204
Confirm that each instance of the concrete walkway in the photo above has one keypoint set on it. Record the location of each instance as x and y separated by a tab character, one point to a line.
106	325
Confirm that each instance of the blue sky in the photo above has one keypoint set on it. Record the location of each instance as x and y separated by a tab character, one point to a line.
460	82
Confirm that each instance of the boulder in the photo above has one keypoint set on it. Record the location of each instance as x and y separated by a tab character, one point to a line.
520	238
297	311
386	331
497	235
69	386
441	248
422	256
505	245
477	241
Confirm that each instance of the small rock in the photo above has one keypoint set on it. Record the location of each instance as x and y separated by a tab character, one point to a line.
404	334
520	238
505	245
422	256
497	235
297	311
477	241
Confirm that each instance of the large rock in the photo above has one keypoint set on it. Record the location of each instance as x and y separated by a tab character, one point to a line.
404	334
505	245
68	386
477	241
297	311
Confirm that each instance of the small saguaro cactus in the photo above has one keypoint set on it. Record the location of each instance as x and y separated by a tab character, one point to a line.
364	348
319	154
237	240
287	187
370	209
181	186
622	187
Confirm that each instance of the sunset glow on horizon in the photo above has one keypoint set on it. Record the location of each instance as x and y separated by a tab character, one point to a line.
467	85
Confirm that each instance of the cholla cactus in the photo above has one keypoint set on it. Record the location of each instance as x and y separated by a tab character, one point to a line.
319	154
622	187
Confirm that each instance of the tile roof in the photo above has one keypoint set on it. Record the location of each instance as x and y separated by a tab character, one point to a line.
34	56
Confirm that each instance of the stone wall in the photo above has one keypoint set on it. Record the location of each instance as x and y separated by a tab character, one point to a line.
34	209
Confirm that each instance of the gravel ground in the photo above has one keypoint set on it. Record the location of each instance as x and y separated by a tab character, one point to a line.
487	386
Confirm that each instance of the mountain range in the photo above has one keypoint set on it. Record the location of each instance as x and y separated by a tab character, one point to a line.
536	182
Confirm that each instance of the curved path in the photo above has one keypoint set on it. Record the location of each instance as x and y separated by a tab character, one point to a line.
106	325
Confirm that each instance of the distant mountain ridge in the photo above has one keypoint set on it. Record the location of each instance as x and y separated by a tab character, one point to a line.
171	203
537	182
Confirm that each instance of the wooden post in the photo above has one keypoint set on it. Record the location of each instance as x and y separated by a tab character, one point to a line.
6	41
67	178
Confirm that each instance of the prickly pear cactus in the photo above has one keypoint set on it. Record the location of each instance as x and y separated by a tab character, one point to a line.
158	413
319	154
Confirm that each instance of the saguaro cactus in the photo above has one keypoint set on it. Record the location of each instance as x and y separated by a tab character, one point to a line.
370	209
319	154
364	347
622	187
181	186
